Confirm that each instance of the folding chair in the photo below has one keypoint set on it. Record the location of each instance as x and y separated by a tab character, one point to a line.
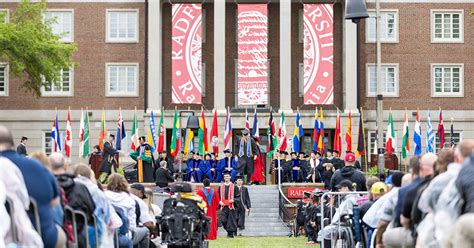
33	211
82	216
69	215
11	210
96	231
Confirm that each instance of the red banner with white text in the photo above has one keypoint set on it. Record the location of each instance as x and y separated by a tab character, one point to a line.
252	63
186	52
318	54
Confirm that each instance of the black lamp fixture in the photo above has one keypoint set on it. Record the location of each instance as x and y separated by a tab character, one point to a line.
356	10
193	122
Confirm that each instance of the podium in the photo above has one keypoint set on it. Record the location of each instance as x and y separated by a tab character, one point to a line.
96	160
391	161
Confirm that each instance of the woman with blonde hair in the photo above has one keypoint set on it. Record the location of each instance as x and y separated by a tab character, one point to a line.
42	158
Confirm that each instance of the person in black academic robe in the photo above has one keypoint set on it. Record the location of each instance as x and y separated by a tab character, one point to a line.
304	165
108	159
248	151
338	162
227	217
163	156
296	173
242	203
277	165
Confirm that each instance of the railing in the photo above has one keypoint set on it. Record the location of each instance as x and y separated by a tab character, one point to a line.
285	215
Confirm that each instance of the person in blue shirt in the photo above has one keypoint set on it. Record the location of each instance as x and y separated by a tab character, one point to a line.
41	186
229	164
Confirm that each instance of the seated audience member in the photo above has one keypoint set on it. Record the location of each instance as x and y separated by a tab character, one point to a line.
349	172
369	182
154	211
118	194
163	176
137	191
41	186
42	158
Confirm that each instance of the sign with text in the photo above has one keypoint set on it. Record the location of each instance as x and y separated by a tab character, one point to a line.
252	63
186	52
297	192
318	54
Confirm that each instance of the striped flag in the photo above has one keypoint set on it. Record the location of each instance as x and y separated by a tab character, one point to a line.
282	133
272	140
441	130
349	133
315	131
429	135
56	136
255	128
68	142
337	134
202	134
406	137
298	134
176	138
81	135
135	143
228	131
162	135
390	144
417	136
247	123
121	134
321	133
152	133
86	141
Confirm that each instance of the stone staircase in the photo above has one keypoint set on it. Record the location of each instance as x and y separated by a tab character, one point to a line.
264	219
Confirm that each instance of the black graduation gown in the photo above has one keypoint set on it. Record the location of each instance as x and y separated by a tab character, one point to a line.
242	202
245	163
108	158
227	217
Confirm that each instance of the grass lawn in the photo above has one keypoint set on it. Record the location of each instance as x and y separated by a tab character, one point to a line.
257	242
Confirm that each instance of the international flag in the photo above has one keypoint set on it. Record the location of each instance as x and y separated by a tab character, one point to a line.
81	134
315	131
349	133
162	135
202	134
215	134
337	134
188	139
376	144
228	131
441	130
135	143
272	140
121	134
103	131
56	136
298	134
390	143
321	133
247	123
255	129
361	135
151	137
429	135
68	143
282	133
406	137
86	134
417	136
176	138
452	135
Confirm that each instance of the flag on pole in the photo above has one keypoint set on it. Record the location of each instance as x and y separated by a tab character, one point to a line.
81	134
85	140
162	135
361	136
417	136
121	134
390	137
429	135
337	134
349	133
282	133
452	135
202	134
247	123
215	134
406	137
135	143
103	131
227	131
441	130
152	133
188	140
298	134
315	131
255	128
272	140
176	138
376	147
321	133
56	136
68	143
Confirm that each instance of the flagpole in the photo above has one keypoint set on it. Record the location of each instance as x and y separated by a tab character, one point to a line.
365	146
70	148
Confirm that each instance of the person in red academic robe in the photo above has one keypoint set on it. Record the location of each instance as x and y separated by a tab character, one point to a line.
258	176
211	198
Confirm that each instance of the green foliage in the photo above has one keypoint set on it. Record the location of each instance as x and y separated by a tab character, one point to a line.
374	171
29	46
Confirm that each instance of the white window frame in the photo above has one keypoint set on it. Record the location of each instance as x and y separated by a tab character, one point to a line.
44	143
62	39
447	94
69	93
461	26
7	73
122	94
397	79
382	39
371	134
108	39
447	142
7	16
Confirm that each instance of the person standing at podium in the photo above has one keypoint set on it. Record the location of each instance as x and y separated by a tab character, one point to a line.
144	155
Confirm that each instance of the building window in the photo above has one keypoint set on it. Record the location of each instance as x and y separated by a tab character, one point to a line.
122	80
389	80
447	26
447	80
62	88
63	23
447	138
47	142
122	25
4	15
371	149
389	26
3	80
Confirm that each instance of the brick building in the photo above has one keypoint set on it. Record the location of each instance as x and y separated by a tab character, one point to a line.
125	54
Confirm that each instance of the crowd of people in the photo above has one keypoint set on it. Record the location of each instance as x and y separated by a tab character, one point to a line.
431	206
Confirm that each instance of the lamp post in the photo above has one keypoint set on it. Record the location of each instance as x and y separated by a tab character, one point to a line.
379	111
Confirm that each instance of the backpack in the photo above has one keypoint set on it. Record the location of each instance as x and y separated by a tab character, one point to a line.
67	225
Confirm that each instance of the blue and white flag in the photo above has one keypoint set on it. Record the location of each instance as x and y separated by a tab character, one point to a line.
55	136
429	135
121	134
417	136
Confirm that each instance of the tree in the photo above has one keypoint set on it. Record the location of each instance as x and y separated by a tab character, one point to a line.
33	52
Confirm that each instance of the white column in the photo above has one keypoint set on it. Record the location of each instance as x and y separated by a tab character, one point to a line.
349	65
219	56
285	55
155	92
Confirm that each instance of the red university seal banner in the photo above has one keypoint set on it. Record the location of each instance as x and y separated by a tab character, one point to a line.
318	54
252	63
186	53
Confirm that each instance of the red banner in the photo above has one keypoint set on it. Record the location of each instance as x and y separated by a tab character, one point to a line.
186	53
297	192
318	54
252	64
